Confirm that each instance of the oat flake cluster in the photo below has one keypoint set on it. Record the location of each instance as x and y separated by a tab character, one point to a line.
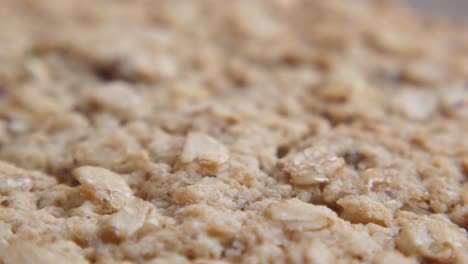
231	132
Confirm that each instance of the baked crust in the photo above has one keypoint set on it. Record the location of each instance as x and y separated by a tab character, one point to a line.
234	131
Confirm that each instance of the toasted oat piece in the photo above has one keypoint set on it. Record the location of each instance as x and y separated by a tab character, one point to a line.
434	237
311	166
299	216
128	220
416	104
362	209
117	98
208	153
104	187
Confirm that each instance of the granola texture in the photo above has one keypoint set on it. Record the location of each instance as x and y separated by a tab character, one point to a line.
231	132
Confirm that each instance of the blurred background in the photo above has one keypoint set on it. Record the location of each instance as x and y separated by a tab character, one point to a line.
457	9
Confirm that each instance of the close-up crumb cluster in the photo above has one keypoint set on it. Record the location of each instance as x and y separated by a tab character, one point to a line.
282	131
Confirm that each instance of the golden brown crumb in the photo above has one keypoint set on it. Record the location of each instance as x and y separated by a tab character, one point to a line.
247	131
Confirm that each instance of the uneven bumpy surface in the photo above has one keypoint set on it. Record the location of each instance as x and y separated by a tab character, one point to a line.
231	131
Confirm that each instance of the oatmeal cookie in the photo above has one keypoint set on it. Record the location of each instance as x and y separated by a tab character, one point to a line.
301	131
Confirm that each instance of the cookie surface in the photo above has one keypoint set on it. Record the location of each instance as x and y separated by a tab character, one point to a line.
231	132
